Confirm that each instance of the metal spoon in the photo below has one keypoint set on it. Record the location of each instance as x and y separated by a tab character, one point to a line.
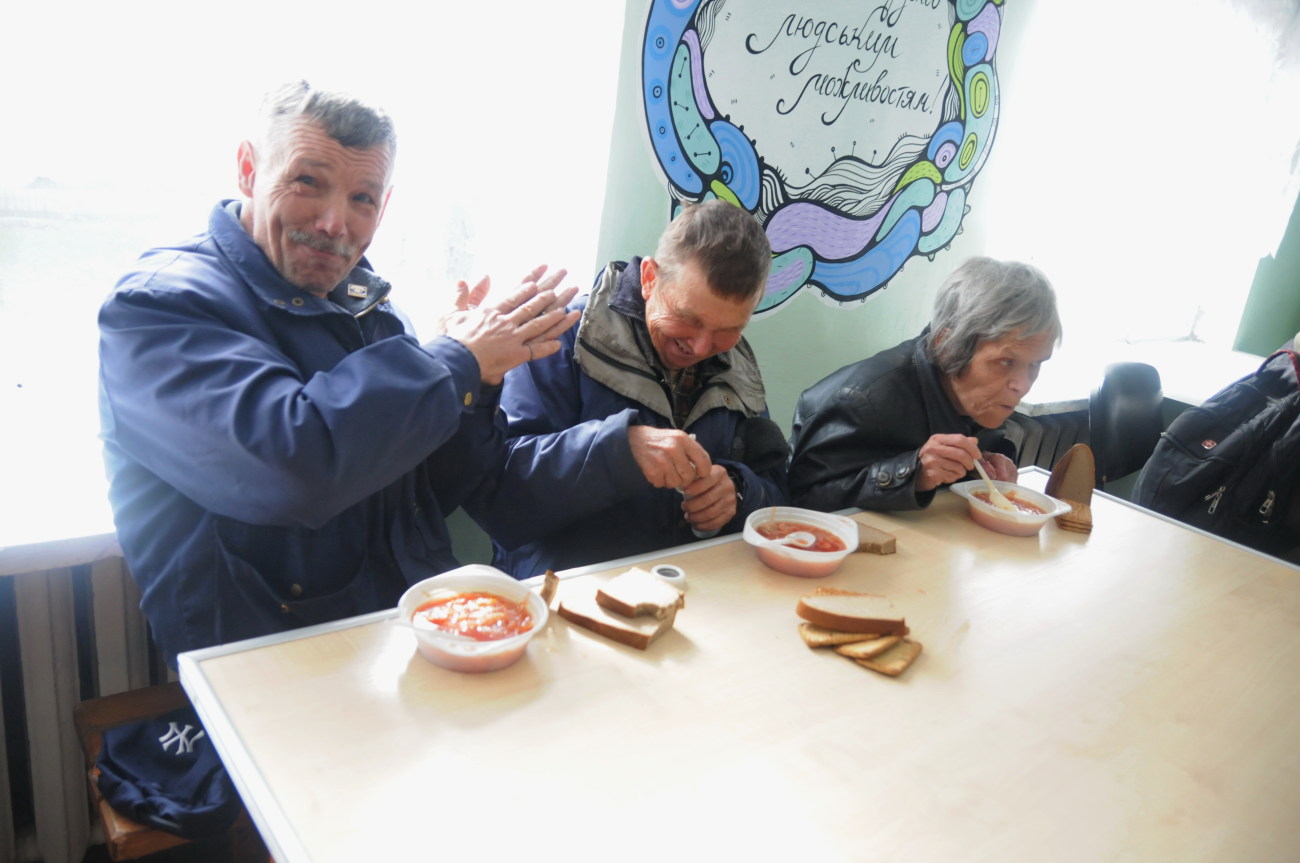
996	497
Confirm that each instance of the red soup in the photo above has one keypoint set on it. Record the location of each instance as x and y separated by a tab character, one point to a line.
826	541
1021	505
475	614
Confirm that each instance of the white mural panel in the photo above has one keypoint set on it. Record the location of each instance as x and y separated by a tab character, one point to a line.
852	131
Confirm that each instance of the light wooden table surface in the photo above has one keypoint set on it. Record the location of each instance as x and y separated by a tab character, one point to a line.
1125	695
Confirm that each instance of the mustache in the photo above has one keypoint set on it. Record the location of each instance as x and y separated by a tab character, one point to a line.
322	244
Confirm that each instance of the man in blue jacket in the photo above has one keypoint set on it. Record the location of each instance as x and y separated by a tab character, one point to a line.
649	427
281	450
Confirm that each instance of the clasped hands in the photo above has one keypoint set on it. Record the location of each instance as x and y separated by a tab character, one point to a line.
670	458
504	332
946	458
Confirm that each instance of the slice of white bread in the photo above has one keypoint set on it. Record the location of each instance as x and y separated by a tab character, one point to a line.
820	636
639	632
638	593
851	612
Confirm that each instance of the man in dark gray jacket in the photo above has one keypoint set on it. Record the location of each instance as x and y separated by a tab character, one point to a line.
649	427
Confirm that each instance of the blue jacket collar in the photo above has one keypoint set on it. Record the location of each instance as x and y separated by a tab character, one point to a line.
626	298
359	293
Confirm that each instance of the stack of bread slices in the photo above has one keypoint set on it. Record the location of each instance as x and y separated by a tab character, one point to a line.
1072	480
633	608
861	626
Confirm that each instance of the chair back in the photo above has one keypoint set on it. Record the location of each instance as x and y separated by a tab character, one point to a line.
1125	419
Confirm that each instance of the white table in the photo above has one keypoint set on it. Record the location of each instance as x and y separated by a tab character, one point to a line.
1124	695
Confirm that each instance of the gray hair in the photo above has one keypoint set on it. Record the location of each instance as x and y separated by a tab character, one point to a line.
985	300
346	119
726	242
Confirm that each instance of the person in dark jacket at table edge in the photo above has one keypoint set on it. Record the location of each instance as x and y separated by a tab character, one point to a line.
281	449
886	432
649	428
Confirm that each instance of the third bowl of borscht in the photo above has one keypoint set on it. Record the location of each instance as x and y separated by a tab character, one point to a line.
824	541
1033	509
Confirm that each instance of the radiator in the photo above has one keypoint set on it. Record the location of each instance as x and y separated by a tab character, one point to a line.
1041	440
65	635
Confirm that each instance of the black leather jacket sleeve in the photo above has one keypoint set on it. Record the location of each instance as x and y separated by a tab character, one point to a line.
857	434
857	446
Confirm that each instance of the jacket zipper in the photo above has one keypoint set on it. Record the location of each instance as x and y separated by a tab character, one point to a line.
1266	508
370	308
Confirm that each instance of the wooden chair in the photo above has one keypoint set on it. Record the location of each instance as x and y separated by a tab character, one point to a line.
124	838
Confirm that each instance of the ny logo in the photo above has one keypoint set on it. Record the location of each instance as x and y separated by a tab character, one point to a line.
181	737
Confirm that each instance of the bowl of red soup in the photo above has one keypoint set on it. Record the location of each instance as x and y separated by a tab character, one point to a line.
1032	510
475	618
801	542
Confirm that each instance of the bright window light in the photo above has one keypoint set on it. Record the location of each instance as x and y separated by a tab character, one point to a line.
122	124
1155	169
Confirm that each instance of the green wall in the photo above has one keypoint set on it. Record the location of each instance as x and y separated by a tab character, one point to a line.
804	339
1271	316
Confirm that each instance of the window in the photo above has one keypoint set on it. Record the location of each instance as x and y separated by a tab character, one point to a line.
124	121
1189	109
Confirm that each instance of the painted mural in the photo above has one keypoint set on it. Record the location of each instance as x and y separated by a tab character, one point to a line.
853	131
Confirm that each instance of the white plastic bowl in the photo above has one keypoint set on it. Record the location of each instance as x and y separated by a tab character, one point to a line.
464	654
800	561
1004	521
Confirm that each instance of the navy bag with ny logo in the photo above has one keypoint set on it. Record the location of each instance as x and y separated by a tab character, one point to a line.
165	772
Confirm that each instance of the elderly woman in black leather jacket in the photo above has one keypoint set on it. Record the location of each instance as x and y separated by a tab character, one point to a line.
888	431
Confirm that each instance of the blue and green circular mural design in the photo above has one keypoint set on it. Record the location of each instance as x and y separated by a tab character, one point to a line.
817	242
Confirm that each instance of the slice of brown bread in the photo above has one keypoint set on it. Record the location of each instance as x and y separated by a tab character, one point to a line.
849	612
550	584
870	648
637	593
1073	475
820	636
639	632
1078	519
895	660
876	541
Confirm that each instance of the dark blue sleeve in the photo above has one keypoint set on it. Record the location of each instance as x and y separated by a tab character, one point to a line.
758	464
561	466
226	418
